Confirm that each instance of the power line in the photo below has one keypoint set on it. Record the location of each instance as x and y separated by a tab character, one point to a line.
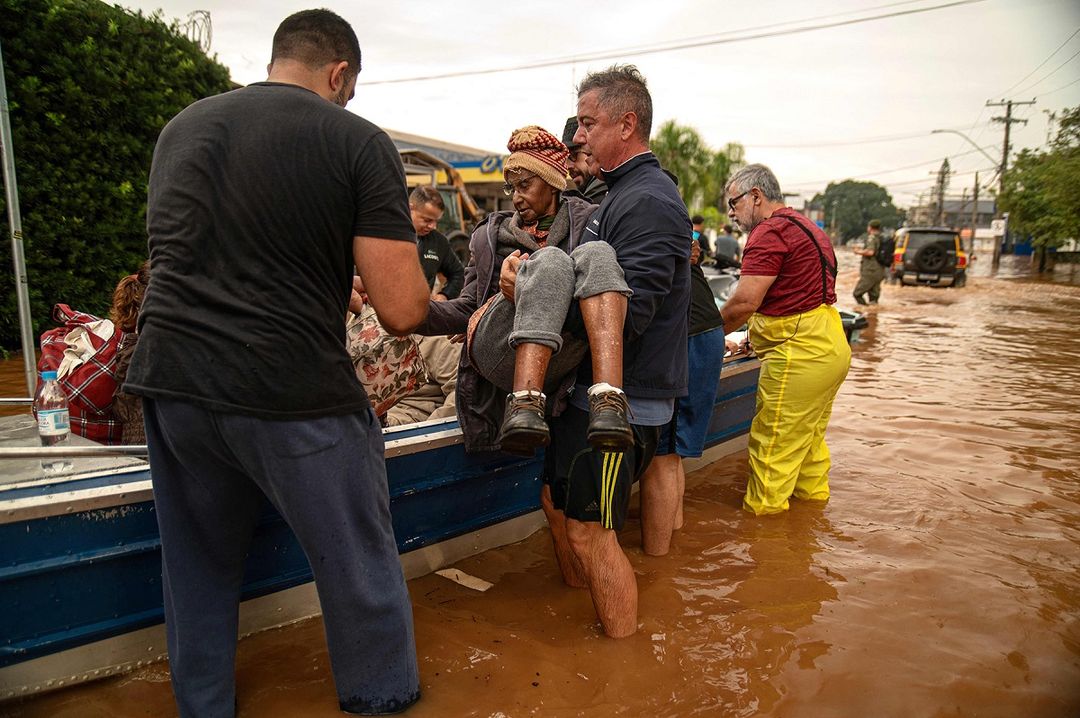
875	173
951	174
638	51
841	143
1070	37
1063	87
975	124
1036	84
664	45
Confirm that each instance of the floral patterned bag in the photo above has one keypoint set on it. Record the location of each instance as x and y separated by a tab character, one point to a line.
389	367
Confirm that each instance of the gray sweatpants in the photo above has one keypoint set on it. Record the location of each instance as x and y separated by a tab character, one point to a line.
547	282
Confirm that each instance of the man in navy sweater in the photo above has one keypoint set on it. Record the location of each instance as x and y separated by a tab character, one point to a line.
645	221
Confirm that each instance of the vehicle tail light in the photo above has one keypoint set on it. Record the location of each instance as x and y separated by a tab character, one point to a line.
961	260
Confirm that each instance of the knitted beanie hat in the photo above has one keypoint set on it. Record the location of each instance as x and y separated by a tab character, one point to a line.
535	149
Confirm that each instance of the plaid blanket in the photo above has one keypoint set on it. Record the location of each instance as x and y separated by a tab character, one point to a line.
90	377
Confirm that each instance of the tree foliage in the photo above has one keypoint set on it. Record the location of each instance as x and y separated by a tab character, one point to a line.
702	171
853	204
90	87
1042	189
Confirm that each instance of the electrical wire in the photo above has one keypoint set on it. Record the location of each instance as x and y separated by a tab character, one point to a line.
664	45
841	143
875	173
684	45
1044	77
1063	87
1070	37
951	174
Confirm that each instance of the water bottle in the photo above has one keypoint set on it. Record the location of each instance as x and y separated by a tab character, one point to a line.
53	419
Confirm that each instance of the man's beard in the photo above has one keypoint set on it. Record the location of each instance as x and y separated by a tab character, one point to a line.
342	97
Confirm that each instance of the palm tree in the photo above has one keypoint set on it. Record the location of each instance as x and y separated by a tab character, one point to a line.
702	171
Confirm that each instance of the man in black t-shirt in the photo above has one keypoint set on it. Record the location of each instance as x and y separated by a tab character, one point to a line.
260	202
426	207
697	223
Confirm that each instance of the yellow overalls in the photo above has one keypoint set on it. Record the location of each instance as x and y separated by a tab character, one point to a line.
804	360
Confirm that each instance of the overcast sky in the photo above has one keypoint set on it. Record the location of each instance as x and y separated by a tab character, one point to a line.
856	100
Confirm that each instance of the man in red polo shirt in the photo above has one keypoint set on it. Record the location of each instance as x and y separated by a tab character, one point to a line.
786	294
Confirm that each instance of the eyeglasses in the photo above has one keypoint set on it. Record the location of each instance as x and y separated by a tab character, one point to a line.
735	200
521	185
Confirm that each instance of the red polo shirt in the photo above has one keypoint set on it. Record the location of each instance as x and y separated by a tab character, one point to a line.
778	248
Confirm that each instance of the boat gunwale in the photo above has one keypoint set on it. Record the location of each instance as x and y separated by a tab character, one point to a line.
65	502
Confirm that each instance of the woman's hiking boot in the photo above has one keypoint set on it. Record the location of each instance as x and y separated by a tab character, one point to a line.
609	429
523	428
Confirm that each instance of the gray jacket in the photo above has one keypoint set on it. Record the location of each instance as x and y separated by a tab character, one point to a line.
480	404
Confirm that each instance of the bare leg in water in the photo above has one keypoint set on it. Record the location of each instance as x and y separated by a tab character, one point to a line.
569	565
681	495
609	576
661	503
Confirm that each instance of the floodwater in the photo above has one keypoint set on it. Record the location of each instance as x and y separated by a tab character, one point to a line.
940	580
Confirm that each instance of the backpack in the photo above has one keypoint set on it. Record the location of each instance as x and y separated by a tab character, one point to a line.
884	255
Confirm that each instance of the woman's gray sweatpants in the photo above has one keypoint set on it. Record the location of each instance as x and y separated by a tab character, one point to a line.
547	282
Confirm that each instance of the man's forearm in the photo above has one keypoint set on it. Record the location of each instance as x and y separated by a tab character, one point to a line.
735	315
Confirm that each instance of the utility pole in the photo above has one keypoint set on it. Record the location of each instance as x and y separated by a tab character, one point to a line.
961	208
1008	121
942	183
974	214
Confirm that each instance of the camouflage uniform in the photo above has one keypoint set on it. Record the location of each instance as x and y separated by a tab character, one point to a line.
871	273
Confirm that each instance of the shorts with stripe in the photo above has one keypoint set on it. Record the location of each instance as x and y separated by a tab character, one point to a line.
593	486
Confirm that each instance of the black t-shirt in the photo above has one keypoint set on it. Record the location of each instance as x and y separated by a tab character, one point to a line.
436	256
255	198
703	312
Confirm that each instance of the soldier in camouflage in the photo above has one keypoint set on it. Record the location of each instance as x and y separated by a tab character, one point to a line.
871	273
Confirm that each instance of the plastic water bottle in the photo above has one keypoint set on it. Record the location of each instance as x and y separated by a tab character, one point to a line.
53	420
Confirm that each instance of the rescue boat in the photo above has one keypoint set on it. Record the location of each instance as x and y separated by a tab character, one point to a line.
80	559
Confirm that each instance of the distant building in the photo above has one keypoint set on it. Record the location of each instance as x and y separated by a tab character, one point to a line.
957	214
479	169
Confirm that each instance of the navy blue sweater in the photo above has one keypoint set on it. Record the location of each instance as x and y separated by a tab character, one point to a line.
644	219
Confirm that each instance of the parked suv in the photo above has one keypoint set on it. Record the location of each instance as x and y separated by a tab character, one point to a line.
929	255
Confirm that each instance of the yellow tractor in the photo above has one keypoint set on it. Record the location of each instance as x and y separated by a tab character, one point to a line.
462	213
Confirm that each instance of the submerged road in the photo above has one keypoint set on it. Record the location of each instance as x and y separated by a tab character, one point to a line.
942	579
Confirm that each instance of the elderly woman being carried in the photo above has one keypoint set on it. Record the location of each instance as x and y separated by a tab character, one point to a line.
538	296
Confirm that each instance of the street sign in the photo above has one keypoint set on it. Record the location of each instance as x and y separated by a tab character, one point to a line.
997	226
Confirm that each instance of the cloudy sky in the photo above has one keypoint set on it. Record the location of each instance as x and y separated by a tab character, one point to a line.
820	91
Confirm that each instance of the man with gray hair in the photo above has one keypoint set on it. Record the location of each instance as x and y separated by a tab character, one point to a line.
645	222
787	290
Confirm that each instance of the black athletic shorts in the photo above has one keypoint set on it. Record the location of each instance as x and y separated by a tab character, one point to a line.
593	486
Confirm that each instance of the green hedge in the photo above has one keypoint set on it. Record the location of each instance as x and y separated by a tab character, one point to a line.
90	87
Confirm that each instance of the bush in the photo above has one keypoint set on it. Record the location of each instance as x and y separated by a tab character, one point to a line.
90	87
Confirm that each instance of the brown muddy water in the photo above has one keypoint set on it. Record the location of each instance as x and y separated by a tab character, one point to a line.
940	580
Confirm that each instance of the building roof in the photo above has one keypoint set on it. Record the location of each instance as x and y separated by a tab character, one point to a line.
986	206
448	151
